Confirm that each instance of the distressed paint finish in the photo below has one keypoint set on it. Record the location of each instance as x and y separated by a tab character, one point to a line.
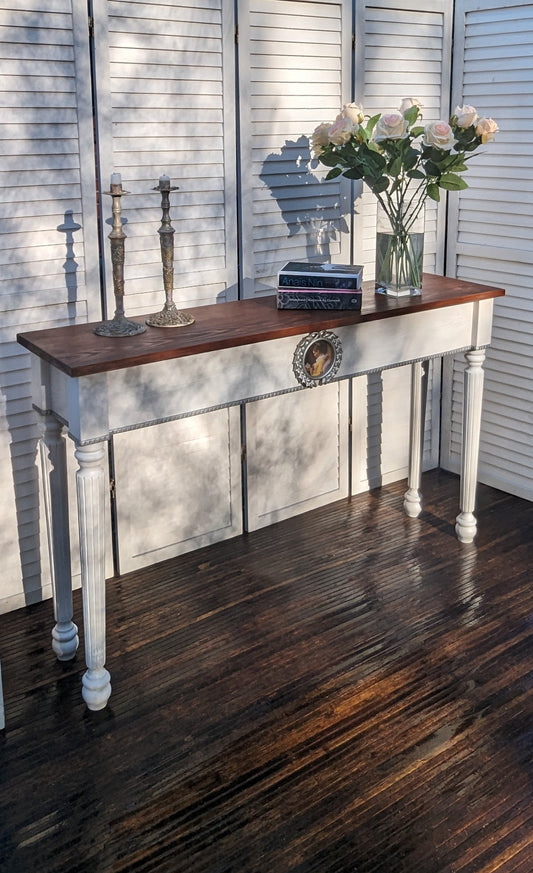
52	450
138	380
90	486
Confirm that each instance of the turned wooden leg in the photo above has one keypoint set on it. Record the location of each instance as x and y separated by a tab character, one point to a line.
53	456
90	484
412	502
466	525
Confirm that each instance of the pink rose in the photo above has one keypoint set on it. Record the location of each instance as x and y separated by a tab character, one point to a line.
391	126
320	138
353	111
486	128
439	135
466	116
341	130
408	103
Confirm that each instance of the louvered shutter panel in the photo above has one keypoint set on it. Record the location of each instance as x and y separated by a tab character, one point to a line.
294	63
48	244
491	237
165	80
402	50
165	92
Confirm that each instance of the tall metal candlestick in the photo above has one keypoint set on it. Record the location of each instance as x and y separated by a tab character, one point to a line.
169	315
119	324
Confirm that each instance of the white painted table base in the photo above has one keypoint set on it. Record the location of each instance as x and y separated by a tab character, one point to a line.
96	405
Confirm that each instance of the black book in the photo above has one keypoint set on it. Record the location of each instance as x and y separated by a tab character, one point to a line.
300	274
319	299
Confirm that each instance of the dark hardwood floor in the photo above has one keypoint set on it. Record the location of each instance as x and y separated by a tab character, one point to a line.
349	691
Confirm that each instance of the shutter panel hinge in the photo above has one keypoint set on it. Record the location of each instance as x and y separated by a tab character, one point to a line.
112	489
353	40
237	34
91	26
243	453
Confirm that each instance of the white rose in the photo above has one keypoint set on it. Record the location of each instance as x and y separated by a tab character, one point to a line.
391	126
466	116
320	138
353	111
486	128
440	135
408	103
341	130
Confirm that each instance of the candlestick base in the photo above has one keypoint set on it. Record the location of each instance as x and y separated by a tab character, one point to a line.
119	326
170	317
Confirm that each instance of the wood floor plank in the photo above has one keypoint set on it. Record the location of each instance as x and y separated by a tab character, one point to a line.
349	691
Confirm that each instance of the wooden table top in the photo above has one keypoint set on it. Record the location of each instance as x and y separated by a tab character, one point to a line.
78	351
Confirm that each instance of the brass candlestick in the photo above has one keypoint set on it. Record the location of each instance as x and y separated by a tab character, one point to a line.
119	324
169	315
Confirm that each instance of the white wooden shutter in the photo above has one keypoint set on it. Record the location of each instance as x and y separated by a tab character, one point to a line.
165	94
491	238
402	50
294	73
48	244
164	82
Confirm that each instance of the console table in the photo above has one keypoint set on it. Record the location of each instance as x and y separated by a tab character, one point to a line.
93	387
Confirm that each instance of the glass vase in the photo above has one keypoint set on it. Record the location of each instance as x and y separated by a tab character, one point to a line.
400	249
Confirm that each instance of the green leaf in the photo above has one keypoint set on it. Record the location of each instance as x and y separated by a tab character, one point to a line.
411	115
417	131
377	186
371	123
416	174
451	182
433	192
353	173
395	167
336	171
410	159
329	160
432	169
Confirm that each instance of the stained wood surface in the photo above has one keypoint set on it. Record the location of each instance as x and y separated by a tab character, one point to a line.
349	691
77	351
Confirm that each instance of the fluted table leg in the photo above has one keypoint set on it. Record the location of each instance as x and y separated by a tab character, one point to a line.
412	502
466	525
90	483
53	457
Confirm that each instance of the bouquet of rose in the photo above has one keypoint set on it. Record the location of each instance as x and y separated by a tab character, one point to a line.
401	161
392	150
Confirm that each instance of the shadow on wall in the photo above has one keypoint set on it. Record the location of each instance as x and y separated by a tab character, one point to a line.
309	206
24	433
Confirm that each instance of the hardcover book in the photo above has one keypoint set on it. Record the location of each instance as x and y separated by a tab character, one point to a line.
330	299
297	274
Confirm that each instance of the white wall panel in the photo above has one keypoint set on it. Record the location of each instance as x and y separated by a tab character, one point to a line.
294	73
165	90
48	245
492	242
402	50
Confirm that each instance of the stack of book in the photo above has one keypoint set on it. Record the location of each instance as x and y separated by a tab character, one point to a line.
319	286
